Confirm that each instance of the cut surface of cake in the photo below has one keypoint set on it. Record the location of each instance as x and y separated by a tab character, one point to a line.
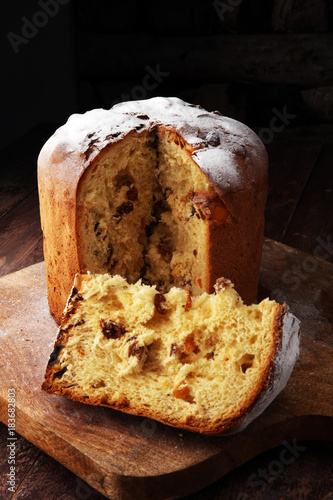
157	189
206	363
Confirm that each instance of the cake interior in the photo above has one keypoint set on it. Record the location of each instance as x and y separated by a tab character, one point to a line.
180	359
139	213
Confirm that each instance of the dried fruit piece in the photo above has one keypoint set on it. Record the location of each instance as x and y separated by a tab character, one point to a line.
162	250
111	329
189	345
188	304
182	391
159	300
211	206
125	208
136	350
173	350
132	193
219	213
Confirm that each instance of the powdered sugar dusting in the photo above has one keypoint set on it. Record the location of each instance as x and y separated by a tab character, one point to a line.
228	152
221	167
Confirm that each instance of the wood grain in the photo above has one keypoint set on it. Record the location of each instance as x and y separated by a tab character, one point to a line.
288	16
21	239
302	59
288	175
319	103
132	457
26	456
309	219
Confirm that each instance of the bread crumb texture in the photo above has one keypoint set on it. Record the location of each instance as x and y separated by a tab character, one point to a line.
197	362
158	190
139	216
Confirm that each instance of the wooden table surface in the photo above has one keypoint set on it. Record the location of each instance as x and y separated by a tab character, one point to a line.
299	214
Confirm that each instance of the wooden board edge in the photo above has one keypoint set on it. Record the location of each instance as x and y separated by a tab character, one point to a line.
177	483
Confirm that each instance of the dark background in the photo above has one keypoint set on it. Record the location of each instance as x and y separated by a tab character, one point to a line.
245	58
267	63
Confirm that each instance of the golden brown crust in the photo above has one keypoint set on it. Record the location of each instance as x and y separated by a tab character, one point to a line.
235	247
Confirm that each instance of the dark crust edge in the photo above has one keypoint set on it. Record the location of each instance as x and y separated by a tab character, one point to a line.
61	340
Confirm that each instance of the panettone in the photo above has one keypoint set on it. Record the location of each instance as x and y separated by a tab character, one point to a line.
207	363
158	190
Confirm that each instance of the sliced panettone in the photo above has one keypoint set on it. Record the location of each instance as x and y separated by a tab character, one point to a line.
157	189
207	363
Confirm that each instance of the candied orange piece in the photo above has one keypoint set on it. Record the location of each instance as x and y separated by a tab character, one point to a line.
181	391
188	304
220	214
189	345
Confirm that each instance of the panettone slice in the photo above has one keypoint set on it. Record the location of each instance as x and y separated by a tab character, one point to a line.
207	363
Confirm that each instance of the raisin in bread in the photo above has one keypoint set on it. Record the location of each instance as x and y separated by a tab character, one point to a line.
156	189
207	363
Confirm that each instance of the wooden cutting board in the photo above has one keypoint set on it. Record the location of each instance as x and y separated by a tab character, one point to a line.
128	457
